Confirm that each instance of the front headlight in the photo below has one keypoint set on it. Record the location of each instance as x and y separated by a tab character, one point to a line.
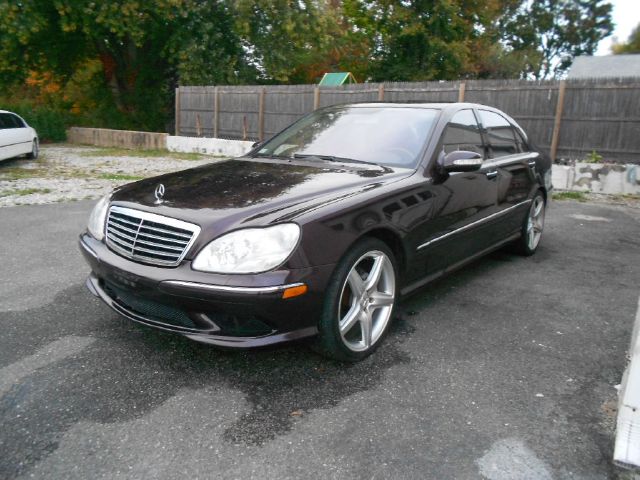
98	217
252	250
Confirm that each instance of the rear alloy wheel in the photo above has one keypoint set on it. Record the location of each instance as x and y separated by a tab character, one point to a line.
34	150
532	227
359	302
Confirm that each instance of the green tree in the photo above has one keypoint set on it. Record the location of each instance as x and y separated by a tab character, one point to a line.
205	48
142	47
420	39
296	41
632	45
548	34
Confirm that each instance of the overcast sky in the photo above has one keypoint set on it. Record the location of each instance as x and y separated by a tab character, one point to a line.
626	15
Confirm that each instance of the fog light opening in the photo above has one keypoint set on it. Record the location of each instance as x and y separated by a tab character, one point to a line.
294	291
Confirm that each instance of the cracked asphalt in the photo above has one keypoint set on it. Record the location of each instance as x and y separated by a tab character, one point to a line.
503	370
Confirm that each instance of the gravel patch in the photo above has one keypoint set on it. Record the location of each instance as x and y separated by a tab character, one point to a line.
68	173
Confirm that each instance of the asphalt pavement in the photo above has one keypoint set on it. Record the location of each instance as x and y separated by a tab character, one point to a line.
506	369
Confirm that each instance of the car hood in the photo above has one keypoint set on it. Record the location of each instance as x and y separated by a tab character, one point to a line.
246	192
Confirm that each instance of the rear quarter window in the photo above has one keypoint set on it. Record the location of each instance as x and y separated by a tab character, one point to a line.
17	121
500	134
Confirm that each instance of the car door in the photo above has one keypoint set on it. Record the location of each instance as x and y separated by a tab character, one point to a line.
460	204
12	136
22	135
515	164
5	135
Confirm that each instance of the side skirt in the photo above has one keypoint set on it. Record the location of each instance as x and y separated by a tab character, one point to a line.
456	266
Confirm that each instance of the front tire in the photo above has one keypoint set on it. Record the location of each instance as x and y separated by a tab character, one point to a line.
532	227
35	150
359	302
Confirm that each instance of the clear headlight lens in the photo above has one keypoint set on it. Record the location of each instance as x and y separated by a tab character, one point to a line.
252	250
98	217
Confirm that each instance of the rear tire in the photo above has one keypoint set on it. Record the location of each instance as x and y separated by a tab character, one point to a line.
35	150
359	302
532	227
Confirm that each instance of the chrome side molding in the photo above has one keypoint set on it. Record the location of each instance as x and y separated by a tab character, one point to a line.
472	224
229	289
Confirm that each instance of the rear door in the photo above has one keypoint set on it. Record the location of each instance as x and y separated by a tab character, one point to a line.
22	135
13	136
510	157
460	204
7	136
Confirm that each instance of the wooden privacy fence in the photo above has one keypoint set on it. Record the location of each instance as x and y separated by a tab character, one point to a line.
567	118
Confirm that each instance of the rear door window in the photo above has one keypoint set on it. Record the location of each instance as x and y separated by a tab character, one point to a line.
5	121
17	122
500	134
520	141
463	133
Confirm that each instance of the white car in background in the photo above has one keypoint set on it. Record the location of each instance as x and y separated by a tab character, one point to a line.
16	137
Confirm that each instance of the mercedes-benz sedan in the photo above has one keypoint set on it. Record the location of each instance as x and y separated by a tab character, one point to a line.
319	231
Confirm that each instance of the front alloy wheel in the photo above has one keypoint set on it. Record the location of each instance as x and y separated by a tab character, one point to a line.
366	301
359	303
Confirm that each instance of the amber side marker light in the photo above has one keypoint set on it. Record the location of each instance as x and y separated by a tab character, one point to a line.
294	291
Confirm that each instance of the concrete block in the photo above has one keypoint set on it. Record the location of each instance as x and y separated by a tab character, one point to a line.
209	146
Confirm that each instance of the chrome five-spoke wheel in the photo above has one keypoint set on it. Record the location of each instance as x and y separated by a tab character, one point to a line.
535	223
532	227
359	302
366	301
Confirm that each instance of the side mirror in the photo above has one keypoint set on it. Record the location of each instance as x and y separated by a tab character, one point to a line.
461	161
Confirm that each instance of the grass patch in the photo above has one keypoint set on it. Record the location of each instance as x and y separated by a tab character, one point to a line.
631	196
125	152
23	191
627	196
119	176
66	173
578	196
18	173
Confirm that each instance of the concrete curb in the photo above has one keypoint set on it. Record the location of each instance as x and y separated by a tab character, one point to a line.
210	146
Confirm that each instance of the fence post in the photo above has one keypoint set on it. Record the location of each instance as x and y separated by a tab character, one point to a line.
316	98
381	92
198	126
177	122
216	108
261	114
555	137
461	91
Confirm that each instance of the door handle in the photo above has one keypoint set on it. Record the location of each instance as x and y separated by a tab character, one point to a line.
492	174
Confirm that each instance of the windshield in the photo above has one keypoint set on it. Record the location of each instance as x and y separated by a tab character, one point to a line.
387	136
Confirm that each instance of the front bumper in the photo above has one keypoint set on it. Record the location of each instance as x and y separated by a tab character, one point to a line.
241	311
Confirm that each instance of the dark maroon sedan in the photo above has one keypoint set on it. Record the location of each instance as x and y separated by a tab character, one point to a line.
320	230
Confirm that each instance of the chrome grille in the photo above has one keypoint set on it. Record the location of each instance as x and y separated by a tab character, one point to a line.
149	238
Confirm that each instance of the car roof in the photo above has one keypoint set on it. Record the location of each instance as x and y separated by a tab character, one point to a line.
443	106
438	105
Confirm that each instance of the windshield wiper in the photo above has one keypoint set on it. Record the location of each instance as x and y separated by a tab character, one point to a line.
332	158
270	155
